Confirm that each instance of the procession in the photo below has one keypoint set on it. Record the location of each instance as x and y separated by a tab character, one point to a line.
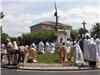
79	52
50	37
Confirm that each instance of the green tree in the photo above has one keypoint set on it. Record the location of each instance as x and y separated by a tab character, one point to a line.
82	31
95	31
37	36
14	39
4	37
74	34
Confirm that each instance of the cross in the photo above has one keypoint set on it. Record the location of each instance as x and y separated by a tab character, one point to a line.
84	27
84	24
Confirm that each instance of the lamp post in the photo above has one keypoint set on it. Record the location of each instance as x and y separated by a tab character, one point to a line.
84	23
56	15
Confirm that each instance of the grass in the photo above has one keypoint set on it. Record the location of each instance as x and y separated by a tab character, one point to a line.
45	58
49	58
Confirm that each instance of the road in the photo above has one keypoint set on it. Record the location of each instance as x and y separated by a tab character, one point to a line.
31	72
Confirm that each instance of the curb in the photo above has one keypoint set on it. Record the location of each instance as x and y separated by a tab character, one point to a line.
49	67
71	68
54	69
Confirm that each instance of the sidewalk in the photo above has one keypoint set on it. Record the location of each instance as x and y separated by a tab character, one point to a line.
54	67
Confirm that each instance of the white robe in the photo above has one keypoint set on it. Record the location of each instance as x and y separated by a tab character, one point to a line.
98	49
52	47
15	46
92	51
68	44
41	47
47	48
86	51
33	44
78	56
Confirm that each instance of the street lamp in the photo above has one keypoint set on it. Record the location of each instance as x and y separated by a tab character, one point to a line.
56	15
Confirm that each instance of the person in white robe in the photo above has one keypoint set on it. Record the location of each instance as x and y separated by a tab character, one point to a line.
52	47
92	53
68	44
33	44
3	51
98	49
86	50
47	47
78	55
9	51
41	47
26	53
15	52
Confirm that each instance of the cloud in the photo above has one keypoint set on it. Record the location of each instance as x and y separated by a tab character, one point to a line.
20	24
53	0
17	24
1	9
79	14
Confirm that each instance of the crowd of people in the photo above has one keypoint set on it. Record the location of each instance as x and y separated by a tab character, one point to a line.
80	51
16	54
25	53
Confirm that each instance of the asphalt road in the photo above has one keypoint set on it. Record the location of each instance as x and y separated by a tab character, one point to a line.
31	72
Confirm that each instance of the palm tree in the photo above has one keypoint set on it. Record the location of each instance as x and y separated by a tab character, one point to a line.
74	34
82	31
95	31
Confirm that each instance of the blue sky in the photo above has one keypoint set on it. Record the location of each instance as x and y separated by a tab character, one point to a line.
21	14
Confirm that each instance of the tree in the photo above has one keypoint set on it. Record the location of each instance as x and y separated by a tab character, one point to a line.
82	31
95	31
4	37
44	35
74	34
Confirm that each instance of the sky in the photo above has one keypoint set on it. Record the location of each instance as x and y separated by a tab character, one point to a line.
21	14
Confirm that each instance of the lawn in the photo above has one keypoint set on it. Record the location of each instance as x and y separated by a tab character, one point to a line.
49	58
44	58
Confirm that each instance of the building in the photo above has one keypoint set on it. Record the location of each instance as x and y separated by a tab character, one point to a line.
48	25
62	33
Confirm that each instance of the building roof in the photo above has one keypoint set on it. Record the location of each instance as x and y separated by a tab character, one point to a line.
50	23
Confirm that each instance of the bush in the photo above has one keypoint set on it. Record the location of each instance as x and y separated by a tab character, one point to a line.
36	37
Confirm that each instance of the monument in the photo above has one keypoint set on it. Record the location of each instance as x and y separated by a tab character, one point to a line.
63	34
